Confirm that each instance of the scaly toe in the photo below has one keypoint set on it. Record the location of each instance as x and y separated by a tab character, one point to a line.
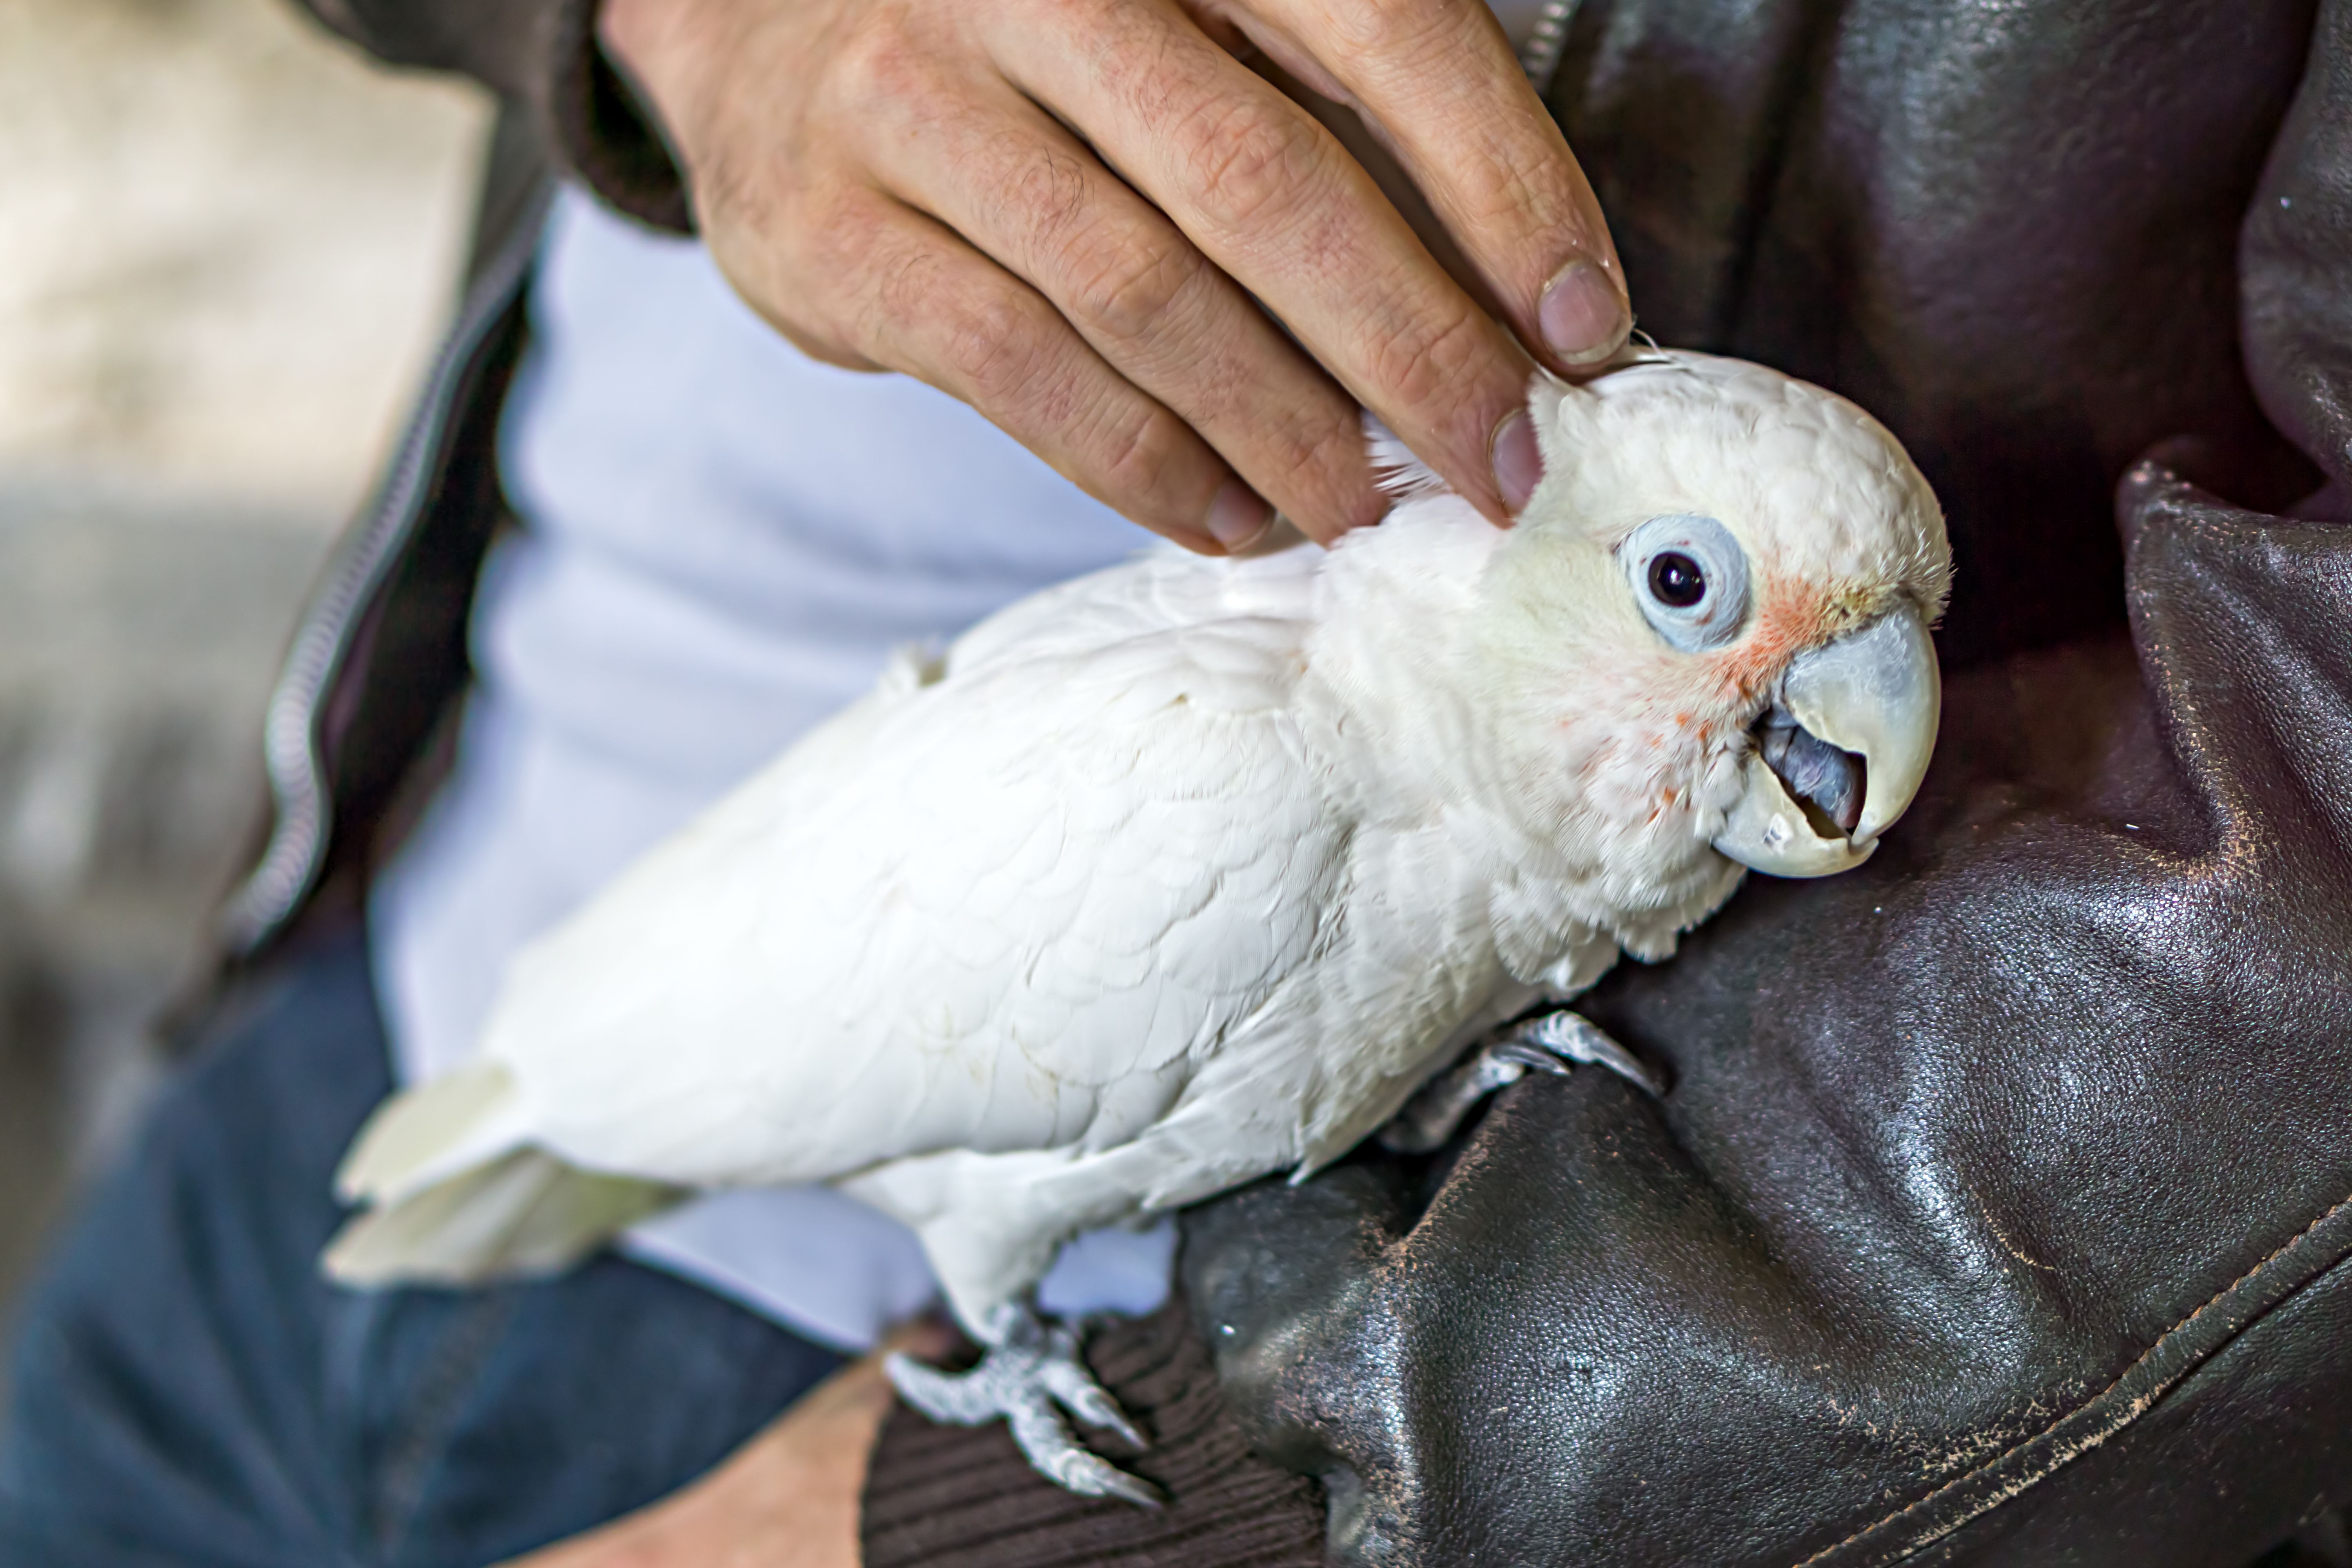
1059	1457
1025	1380
1070	1382
956	1399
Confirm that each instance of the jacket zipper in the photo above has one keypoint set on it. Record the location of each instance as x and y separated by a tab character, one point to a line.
1539	58
293	743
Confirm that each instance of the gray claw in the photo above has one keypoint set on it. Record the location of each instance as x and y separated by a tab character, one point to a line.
1572	1036
1075	1388
1529	1056
1542	1045
1033	1368
944	1396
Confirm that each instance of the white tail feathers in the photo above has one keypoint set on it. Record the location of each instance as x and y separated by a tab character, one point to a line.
455	1197
426	1133
525	1213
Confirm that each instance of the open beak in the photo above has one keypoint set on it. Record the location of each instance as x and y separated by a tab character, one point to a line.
1838	758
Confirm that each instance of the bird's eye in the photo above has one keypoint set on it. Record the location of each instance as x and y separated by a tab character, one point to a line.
1690	577
1676	580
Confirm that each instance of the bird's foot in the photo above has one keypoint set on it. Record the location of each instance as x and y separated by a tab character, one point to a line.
1549	1044
1032	1367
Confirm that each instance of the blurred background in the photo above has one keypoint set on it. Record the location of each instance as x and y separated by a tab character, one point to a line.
227	243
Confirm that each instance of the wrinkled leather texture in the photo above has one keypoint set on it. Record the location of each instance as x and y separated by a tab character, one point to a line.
1998	1208
2008	230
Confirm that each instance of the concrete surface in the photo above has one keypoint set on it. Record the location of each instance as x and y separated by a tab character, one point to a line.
136	643
224	237
226	246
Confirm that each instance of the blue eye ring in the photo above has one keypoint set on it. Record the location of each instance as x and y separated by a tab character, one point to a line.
1689	576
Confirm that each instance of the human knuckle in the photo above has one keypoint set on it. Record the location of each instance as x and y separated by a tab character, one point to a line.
876	61
1139	449
1313	453
1307	439
1050	193
1528	201
1058	18
1380	29
1125	289
1432	366
892	287
994	342
1248	161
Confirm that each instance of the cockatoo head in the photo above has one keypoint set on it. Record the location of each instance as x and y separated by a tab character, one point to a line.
1709	628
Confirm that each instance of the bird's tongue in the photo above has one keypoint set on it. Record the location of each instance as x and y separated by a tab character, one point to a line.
1827	783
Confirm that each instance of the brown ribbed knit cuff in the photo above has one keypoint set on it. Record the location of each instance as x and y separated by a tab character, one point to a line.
953	1497
598	131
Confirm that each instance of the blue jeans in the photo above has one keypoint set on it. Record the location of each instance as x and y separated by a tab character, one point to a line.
190	1391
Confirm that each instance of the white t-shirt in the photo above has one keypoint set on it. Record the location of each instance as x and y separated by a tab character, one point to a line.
724	540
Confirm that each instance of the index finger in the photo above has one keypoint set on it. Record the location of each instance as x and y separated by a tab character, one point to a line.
1271	197
1438	82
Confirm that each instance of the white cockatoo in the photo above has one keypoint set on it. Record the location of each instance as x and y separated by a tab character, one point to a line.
1196	869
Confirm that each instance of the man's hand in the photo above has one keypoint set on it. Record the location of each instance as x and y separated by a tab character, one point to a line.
788	1499
1059	211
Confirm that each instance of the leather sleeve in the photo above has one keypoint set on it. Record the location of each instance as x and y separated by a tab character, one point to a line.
2292	255
542	54
1999	1209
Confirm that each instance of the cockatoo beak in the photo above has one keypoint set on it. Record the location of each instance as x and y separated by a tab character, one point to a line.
1875	694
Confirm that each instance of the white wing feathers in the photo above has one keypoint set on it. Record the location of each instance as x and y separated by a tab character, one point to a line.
1009	910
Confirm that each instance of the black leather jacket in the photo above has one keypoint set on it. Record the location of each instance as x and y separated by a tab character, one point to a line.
1995	1209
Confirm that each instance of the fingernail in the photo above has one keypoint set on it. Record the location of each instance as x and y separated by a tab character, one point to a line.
1582	316
1238	516
1517	460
